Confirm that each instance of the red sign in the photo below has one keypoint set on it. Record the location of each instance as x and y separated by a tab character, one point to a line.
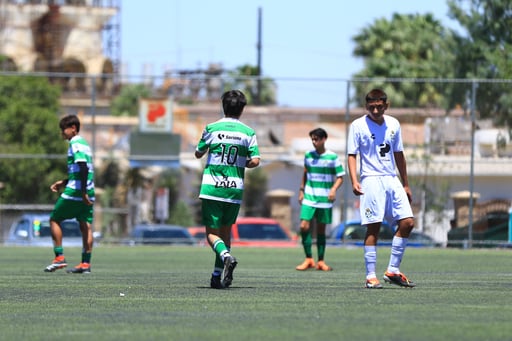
155	115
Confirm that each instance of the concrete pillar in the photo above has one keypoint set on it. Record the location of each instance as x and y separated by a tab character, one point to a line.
461	207
84	41
279	205
16	38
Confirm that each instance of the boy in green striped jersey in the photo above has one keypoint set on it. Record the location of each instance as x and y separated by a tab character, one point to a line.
77	198
323	175
231	146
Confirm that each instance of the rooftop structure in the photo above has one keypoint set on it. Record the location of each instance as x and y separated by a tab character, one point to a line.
65	36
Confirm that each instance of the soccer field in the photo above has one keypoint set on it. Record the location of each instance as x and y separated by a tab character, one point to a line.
162	293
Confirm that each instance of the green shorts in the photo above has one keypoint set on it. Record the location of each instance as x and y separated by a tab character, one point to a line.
322	215
69	209
216	214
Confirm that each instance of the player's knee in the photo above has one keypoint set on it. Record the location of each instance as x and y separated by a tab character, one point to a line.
405	227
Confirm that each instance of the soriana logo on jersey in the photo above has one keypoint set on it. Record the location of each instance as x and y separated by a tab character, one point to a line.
155	115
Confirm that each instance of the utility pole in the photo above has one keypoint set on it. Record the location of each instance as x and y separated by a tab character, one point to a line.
258	46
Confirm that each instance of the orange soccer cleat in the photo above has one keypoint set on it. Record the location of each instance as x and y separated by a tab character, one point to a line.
322	266
307	264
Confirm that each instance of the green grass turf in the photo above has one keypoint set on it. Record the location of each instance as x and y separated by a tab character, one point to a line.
461	295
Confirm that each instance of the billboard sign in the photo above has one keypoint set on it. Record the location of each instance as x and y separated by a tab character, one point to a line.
155	115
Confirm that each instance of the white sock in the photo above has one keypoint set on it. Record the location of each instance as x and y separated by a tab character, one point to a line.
225	254
397	252
370	260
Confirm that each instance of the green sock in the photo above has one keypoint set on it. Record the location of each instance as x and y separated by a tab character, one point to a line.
58	250
219	247
219	265
306	243
86	257
320	244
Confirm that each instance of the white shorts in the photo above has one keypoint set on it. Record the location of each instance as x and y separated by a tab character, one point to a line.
384	198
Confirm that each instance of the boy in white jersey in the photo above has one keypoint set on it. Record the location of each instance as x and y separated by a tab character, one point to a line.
231	146
378	141
76	201
323	175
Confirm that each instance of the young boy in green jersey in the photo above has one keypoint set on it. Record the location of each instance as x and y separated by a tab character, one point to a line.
231	146
77	198
323	175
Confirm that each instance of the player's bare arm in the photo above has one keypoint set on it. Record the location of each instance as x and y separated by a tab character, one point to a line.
352	169
199	154
337	184
57	185
253	163
303	185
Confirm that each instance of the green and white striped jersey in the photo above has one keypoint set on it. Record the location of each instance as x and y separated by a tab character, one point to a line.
78	151
321	173
230	143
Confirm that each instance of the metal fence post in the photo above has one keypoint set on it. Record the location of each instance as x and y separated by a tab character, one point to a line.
345	185
93	116
474	86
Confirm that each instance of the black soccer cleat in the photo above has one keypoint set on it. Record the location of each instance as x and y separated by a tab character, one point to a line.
82	268
215	282
229	266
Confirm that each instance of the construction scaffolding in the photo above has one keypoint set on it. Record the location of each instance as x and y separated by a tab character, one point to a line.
73	36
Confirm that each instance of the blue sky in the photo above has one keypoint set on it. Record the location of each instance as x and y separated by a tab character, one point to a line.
300	39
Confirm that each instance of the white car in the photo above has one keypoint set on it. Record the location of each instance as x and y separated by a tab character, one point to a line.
34	230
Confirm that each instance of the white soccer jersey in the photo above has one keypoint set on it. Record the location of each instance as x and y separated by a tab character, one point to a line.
375	145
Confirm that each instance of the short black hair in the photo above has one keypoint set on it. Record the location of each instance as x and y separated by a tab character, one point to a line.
233	103
318	132
376	95
69	121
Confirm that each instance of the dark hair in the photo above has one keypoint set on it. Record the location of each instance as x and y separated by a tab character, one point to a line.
318	132
69	121
233	103
376	95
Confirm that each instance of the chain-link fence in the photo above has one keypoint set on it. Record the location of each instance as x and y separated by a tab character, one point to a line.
458	150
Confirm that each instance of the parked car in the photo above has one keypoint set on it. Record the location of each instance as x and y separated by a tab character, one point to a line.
33	229
353	233
161	234
253	232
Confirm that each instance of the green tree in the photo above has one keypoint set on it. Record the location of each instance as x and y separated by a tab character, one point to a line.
244	78
127	102
181	214
30	125
108	175
485	51
408	46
